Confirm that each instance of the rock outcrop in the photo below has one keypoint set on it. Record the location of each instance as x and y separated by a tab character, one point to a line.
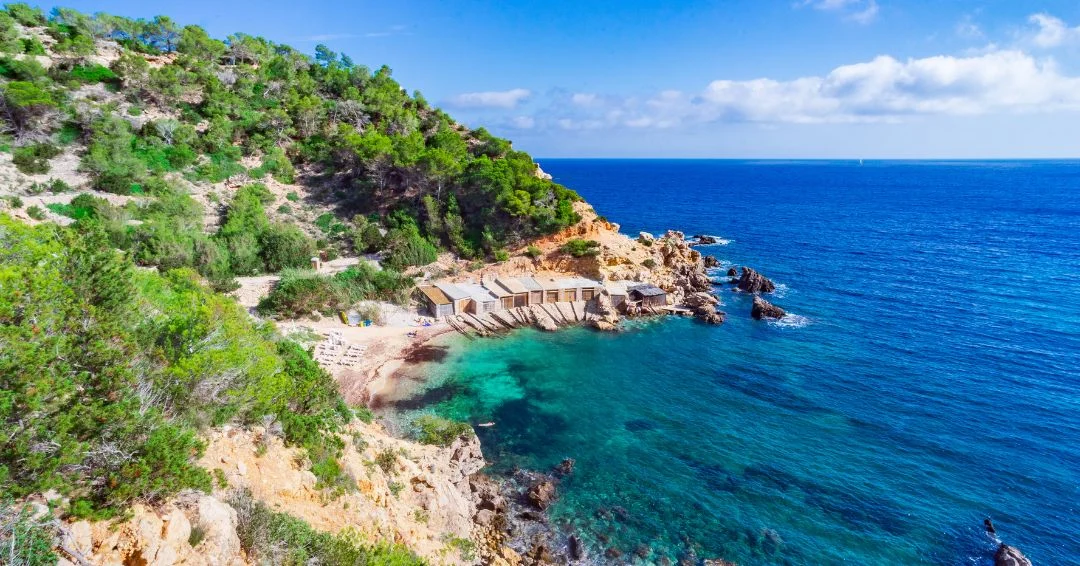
754	282
542	494
704	306
763	309
711	262
704	240
1010	556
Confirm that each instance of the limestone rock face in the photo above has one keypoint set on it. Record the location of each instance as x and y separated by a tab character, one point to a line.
1010	556
762	309
754	282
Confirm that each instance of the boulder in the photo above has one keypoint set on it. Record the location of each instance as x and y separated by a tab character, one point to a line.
732	272
541	494
711	261
646	237
754	282
700	299
763	309
704	240
1010	556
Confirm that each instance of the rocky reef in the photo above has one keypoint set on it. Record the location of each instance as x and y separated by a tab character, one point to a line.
754	282
763	309
1010	556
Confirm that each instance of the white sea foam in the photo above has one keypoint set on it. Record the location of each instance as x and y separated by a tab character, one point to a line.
781	291
791	321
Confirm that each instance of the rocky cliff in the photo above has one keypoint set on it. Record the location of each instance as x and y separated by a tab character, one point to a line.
422	497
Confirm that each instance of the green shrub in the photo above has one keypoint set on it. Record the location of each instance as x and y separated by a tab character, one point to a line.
35	212
15	202
34	159
93	74
533	252
650	263
581	248
25	540
292	196
283	246
33	46
364	414
502	255
432	429
59	186
387	461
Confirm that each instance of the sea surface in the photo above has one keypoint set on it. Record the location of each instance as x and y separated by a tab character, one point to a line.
929	378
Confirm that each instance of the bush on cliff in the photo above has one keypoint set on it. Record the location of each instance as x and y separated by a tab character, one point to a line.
435	430
274	537
107	372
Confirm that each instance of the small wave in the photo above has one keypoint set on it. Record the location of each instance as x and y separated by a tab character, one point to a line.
781	291
791	321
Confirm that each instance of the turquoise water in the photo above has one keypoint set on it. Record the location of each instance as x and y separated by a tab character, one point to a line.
930	379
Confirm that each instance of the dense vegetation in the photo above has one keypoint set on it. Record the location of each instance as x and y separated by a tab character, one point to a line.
414	180
107	372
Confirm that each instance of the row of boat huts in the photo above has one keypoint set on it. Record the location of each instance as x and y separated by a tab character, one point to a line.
501	293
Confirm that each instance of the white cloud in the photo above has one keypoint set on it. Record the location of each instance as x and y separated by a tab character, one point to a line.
861	11
1052	31
490	99
881	90
968	29
583	98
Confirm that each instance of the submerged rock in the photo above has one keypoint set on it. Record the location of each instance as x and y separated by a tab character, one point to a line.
754	282
577	549
1010	556
763	309
565	468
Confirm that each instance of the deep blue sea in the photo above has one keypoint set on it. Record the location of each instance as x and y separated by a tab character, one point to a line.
930	380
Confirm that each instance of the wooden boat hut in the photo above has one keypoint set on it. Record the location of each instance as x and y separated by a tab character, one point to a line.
506	298
457	296
552	291
617	290
481	300
436	302
588	289
647	295
515	288
536	292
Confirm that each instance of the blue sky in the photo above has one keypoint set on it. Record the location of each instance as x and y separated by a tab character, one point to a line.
736	78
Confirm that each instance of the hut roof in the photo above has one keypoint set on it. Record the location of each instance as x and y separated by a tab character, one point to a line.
647	290
549	285
512	285
530	283
477	293
616	287
435	295
497	290
586	283
453	291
